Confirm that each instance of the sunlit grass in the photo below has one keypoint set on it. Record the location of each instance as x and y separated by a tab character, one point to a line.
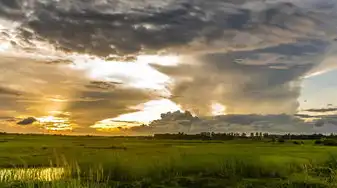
105	162
28	174
237	172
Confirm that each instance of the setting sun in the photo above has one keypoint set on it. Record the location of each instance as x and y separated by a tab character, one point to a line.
218	109
58	121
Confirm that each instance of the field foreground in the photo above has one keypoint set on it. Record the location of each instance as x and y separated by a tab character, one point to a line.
62	161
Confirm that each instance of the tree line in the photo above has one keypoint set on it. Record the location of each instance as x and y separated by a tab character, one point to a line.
232	136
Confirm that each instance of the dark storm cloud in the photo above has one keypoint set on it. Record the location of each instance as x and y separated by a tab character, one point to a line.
319	123
247	55
332	119
305	116
326	120
253	118
8	91
101	85
11	9
110	27
180	122
320	120
273	123
27	121
170	122
251	85
298	48
323	110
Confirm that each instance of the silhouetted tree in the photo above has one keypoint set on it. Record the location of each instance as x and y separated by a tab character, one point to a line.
265	135
281	140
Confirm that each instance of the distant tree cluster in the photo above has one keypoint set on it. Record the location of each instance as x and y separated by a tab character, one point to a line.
232	136
320	139
211	136
326	142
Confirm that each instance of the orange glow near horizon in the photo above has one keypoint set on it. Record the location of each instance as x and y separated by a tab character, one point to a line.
137	74
54	122
218	109
147	112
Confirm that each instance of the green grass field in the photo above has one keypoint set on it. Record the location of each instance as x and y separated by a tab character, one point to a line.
132	162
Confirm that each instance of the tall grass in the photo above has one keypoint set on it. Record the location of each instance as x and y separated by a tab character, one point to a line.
177	171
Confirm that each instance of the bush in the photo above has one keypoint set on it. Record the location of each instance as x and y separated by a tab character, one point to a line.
327	142
330	142
281	140
324	171
318	142
297	143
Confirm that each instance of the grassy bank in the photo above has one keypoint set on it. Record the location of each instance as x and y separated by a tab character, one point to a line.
121	162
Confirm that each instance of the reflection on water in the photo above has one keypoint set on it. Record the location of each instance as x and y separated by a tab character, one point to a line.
24	174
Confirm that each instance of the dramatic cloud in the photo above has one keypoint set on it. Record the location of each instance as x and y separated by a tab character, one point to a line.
58	88
103	105
266	88
102	85
330	119
27	121
8	91
109	27
320	120
319	123
322	110
75	63
184	122
326	120
305	116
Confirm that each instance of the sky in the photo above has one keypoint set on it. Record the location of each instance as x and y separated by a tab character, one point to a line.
119	67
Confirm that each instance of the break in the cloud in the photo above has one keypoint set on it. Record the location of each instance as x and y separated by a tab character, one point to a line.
92	59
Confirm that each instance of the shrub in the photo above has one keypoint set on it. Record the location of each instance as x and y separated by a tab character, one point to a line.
297	143
327	142
324	171
318	142
330	142
281	140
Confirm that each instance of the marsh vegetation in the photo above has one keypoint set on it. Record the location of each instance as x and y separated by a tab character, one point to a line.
65	161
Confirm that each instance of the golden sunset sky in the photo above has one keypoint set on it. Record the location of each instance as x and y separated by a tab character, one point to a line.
108	67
